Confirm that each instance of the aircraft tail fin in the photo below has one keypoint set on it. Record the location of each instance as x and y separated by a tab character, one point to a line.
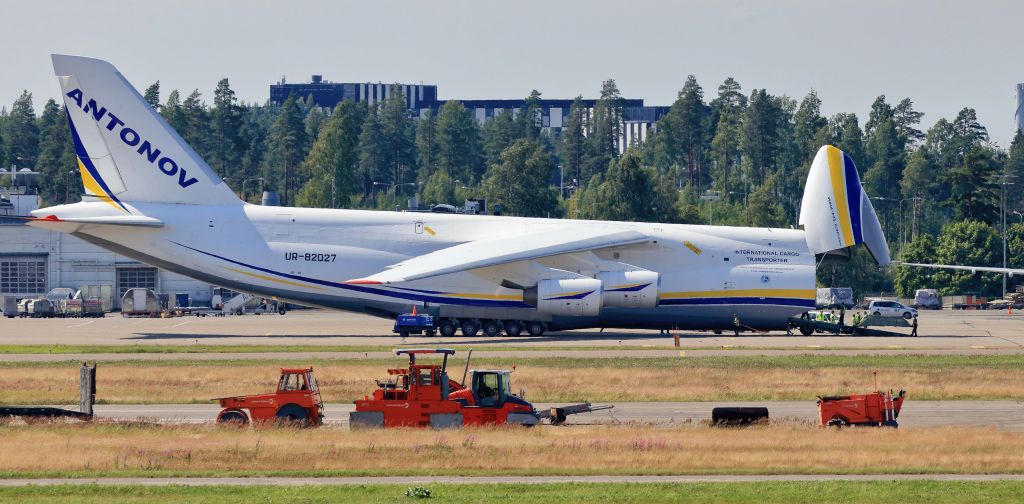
836	212
126	150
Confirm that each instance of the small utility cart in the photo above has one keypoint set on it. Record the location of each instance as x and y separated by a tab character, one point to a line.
415	323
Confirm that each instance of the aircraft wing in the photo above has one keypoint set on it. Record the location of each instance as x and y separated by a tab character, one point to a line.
972	269
504	250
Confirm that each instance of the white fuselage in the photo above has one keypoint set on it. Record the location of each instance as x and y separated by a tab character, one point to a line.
711	276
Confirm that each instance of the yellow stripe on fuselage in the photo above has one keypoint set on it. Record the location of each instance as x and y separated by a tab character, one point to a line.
272	279
766	293
93	188
835	169
470	295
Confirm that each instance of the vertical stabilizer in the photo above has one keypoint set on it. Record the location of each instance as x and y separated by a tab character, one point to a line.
836	212
126	151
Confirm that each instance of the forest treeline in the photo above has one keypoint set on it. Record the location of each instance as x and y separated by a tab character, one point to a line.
938	190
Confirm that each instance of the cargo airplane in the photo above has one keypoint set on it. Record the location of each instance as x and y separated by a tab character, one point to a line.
150	197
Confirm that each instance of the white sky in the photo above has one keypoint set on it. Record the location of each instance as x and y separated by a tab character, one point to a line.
944	55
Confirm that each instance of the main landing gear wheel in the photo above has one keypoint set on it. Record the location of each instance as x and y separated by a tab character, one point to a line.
470	328
447	328
535	328
292	415
491	328
806	331
513	327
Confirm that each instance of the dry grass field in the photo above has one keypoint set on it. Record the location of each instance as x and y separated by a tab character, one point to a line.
543	379
73	450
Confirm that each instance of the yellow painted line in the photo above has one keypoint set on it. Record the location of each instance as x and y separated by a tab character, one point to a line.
784	293
682	353
272	279
979	347
813	346
835	168
895	346
728	346
431	231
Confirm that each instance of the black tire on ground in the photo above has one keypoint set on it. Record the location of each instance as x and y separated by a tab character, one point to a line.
447	328
280	309
292	415
430	333
513	327
535	328
907	315
739	416
491	328
403	334
469	328
837	422
877	314
233	418
806	331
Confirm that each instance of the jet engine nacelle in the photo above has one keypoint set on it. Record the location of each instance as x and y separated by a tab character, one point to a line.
630	289
580	297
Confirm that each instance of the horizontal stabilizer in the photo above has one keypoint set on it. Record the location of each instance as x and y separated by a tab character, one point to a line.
836	212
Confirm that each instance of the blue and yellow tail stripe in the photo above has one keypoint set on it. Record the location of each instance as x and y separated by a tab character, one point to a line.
846	193
91	180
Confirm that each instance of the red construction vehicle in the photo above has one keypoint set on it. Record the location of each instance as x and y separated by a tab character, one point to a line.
296	402
422	395
875	409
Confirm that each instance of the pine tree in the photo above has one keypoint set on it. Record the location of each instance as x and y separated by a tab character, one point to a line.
22	132
605	129
152	95
287	144
197	124
226	123
426	146
1014	171
458	142
499	134
807	130
397	137
725	154
332	161
574	142
373	169
56	163
173	112
521	182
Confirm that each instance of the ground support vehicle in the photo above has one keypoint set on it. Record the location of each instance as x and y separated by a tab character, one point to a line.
295	402
9	305
87	397
876	409
809	325
422	395
414	323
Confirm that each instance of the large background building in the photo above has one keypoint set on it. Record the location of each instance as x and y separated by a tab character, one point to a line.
638	119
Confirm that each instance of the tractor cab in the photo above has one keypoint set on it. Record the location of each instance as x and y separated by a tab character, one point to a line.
491	388
300	383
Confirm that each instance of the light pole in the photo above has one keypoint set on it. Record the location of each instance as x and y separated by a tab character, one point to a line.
711	196
1003	182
